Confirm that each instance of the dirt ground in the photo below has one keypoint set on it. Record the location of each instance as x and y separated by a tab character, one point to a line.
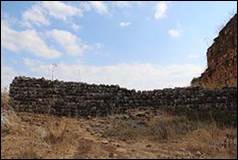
137	134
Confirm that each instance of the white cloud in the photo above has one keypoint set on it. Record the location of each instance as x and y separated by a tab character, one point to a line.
30	62
99	6
97	48
60	10
75	27
40	12
121	4
194	56
7	75
98	45
125	24
137	76
85	6
174	33
127	4
27	40
70	42
36	15
160	10
12	20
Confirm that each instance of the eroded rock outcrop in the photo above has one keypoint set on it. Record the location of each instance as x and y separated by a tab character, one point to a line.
221	59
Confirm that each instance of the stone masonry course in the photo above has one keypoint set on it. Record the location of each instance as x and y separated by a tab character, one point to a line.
77	99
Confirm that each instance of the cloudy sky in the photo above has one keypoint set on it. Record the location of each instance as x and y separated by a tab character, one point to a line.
140	45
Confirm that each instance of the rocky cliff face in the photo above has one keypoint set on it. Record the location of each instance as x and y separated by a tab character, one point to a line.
221	59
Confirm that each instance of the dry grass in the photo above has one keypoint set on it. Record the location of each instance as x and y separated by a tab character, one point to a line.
160	128
211	141
28	153
200	138
4	99
55	132
42	136
84	146
33	136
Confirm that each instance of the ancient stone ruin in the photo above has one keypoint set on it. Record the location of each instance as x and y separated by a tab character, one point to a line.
81	99
221	59
213	95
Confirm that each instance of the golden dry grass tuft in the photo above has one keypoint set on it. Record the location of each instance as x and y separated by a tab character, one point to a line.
84	146
28	153
159	128
55	132
4	99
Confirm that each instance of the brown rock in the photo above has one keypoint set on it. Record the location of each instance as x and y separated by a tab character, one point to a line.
221	60
148	145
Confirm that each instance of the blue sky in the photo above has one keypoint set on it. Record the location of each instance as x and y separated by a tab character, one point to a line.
140	45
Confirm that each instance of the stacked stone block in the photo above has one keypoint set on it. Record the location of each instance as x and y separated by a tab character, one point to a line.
80	99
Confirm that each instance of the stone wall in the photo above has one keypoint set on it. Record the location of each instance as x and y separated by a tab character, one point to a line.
81	99
221	59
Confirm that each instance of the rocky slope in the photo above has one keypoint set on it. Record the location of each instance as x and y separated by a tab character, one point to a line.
221	59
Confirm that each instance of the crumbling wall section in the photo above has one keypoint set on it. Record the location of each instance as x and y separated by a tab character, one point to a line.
80	99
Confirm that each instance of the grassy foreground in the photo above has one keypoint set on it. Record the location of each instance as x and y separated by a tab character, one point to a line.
135	134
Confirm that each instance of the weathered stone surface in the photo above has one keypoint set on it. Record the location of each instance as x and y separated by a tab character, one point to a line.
81	99
221	59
